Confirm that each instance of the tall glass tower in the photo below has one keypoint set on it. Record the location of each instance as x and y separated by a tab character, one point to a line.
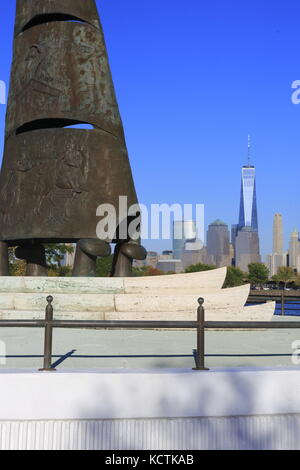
248	205
245	237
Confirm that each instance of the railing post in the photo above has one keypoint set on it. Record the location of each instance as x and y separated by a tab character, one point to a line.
199	354
48	337
282	303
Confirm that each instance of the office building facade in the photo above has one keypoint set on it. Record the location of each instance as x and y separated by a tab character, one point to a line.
246	248
278	258
294	251
184	232
278	234
218	244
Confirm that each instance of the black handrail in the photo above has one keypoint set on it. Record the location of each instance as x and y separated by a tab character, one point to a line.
200	325
281	298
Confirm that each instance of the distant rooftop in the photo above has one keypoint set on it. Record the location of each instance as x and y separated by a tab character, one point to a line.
218	222
247	229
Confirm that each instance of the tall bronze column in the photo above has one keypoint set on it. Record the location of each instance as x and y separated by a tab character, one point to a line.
4	263
54	177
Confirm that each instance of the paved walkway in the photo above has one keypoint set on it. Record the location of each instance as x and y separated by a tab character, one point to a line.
87	348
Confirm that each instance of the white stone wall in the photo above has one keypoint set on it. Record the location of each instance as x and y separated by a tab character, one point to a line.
167	409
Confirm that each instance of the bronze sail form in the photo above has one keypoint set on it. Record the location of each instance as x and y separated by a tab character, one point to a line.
54	178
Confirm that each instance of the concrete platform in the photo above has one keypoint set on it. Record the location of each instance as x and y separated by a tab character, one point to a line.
148	349
156	410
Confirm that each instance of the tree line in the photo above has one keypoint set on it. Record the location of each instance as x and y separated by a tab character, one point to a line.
258	272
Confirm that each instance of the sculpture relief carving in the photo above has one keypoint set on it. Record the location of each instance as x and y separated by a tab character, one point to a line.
53	179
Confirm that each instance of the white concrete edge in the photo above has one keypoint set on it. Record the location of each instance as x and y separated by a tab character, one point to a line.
141	394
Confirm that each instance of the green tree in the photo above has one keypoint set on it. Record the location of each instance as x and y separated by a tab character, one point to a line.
195	268
17	268
258	273
60	271
285	275
104	266
55	254
297	280
235	277
147	271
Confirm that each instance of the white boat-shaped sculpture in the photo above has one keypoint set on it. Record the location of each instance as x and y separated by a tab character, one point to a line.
97	285
172	297
205	280
233	298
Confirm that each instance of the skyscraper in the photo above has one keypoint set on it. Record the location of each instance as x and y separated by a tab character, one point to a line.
246	232
248	205
278	258
246	248
278	234
184	231
218	244
294	251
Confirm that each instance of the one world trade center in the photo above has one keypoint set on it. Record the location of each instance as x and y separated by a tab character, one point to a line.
245	237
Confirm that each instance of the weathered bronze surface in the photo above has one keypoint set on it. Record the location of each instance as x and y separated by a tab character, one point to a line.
31	11
87	252
124	255
53	179
61	72
4	265
95	248
85	264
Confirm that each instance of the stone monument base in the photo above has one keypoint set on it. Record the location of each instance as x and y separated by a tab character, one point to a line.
222	409
165	298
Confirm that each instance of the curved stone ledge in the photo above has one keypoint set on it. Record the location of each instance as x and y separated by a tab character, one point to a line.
209	280
234	298
213	279
263	312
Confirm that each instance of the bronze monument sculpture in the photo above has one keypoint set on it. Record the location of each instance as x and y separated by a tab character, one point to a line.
54	177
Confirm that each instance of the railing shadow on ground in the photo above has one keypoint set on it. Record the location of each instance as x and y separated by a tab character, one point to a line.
201	325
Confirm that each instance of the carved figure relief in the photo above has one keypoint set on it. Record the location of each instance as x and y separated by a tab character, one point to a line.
53	179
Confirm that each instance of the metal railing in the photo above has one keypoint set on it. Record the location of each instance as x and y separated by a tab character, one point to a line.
281	298
200	326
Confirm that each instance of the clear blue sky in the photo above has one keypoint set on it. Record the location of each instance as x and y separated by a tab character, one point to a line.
193	79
